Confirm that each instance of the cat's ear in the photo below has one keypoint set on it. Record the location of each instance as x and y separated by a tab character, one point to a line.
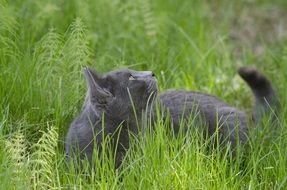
95	86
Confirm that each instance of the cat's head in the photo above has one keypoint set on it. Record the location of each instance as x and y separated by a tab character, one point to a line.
120	93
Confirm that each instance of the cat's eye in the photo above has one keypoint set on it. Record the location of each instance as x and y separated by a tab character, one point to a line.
131	78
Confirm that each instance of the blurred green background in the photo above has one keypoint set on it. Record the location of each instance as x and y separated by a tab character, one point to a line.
190	44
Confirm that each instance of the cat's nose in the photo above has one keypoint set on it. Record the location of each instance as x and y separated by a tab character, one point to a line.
144	74
150	74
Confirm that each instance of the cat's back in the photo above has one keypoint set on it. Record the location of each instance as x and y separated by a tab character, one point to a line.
207	109
184	98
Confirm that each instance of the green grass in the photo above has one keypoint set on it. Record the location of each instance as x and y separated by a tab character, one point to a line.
45	44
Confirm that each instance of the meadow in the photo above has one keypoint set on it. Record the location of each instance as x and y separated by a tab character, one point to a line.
188	44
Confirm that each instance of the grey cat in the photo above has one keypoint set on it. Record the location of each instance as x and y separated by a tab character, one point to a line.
115	103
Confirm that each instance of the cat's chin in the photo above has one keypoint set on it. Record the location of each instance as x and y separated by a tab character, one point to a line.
152	89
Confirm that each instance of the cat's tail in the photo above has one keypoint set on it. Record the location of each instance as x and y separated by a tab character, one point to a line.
265	97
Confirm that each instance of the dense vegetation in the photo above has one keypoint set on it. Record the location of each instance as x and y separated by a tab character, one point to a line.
196	45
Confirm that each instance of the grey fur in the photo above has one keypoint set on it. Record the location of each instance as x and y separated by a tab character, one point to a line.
208	110
111	96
